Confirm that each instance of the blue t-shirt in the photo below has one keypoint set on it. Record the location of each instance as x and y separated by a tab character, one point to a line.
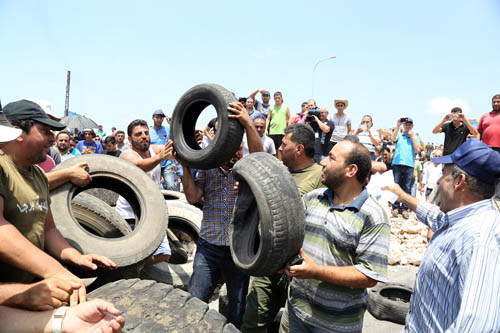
95	147
160	137
404	154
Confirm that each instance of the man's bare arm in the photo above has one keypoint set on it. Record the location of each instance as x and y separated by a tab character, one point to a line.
348	276
76	174
149	163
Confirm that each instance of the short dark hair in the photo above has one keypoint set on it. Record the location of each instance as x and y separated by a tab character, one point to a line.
497	96
360	156
119	131
278	93
63	132
260	117
456	109
137	122
302	134
25	125
251	97
110	139
303	104
385	148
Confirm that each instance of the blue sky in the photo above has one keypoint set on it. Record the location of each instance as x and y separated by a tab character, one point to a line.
394	58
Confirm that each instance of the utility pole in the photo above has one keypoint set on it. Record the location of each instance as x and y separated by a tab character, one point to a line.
66	103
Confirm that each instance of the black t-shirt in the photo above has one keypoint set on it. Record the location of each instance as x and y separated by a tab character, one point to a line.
112	153
453	136
323	145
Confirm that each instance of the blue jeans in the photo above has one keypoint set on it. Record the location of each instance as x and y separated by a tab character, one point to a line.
209	262
169	178
403	175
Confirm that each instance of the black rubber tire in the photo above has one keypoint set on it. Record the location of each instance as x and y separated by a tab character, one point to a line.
136	187
229	133
148	306
184	221
268	199
108	196
98	216
389	301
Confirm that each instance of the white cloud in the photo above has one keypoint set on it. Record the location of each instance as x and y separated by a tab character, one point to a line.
443	105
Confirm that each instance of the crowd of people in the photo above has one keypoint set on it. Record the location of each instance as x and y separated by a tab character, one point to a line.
347	231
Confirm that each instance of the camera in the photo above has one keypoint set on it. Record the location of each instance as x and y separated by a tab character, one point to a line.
404	120
454	116
312	112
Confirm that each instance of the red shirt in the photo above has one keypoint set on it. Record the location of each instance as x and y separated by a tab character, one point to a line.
489	127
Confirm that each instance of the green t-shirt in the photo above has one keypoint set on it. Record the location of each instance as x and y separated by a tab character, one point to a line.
308	179
416	170
26	203
278	119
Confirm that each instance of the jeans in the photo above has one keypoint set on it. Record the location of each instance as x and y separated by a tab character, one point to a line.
169	178
403	175
209	262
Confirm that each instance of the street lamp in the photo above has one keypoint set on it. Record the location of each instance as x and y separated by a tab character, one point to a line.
314	70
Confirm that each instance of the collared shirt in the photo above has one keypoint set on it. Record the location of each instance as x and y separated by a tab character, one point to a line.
458	284
356	235
220	196
160	137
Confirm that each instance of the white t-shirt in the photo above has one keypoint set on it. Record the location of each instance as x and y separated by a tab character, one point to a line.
364	139
340	129
267	143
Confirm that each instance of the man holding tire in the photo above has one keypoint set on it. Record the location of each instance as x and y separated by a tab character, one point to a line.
268	293
27	226
344	251
213	256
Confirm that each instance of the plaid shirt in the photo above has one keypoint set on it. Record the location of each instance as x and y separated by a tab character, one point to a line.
220	196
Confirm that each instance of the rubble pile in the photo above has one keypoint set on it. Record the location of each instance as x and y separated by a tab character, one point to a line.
408	241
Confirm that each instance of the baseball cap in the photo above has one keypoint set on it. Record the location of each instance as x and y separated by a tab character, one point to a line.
409	120
7	131
476	158
159	112
27	110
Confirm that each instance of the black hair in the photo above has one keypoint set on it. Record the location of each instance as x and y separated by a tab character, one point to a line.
352	138
360	156
302	134
497	96
25	125
385	148
260	117
137	122
456	109
110	139
119	131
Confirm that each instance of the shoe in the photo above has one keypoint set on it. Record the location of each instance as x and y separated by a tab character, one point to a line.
405	214
395	213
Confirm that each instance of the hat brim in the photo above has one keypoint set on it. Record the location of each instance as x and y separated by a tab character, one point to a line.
8	134
51	123
443	160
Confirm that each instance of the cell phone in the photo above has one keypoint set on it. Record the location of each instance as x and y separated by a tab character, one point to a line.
295	260
404	120
454	116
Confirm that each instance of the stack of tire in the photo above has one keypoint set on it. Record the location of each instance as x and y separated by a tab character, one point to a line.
268	199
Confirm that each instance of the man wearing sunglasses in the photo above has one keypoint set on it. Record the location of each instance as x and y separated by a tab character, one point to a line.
262	107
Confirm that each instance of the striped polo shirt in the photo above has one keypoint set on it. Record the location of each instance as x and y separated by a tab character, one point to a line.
458	284
356	235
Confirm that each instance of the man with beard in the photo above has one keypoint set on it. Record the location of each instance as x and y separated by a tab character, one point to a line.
63	146
120	138
457	286
29	241
148	158
262	107
268	293
489	125
345	247
213	255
